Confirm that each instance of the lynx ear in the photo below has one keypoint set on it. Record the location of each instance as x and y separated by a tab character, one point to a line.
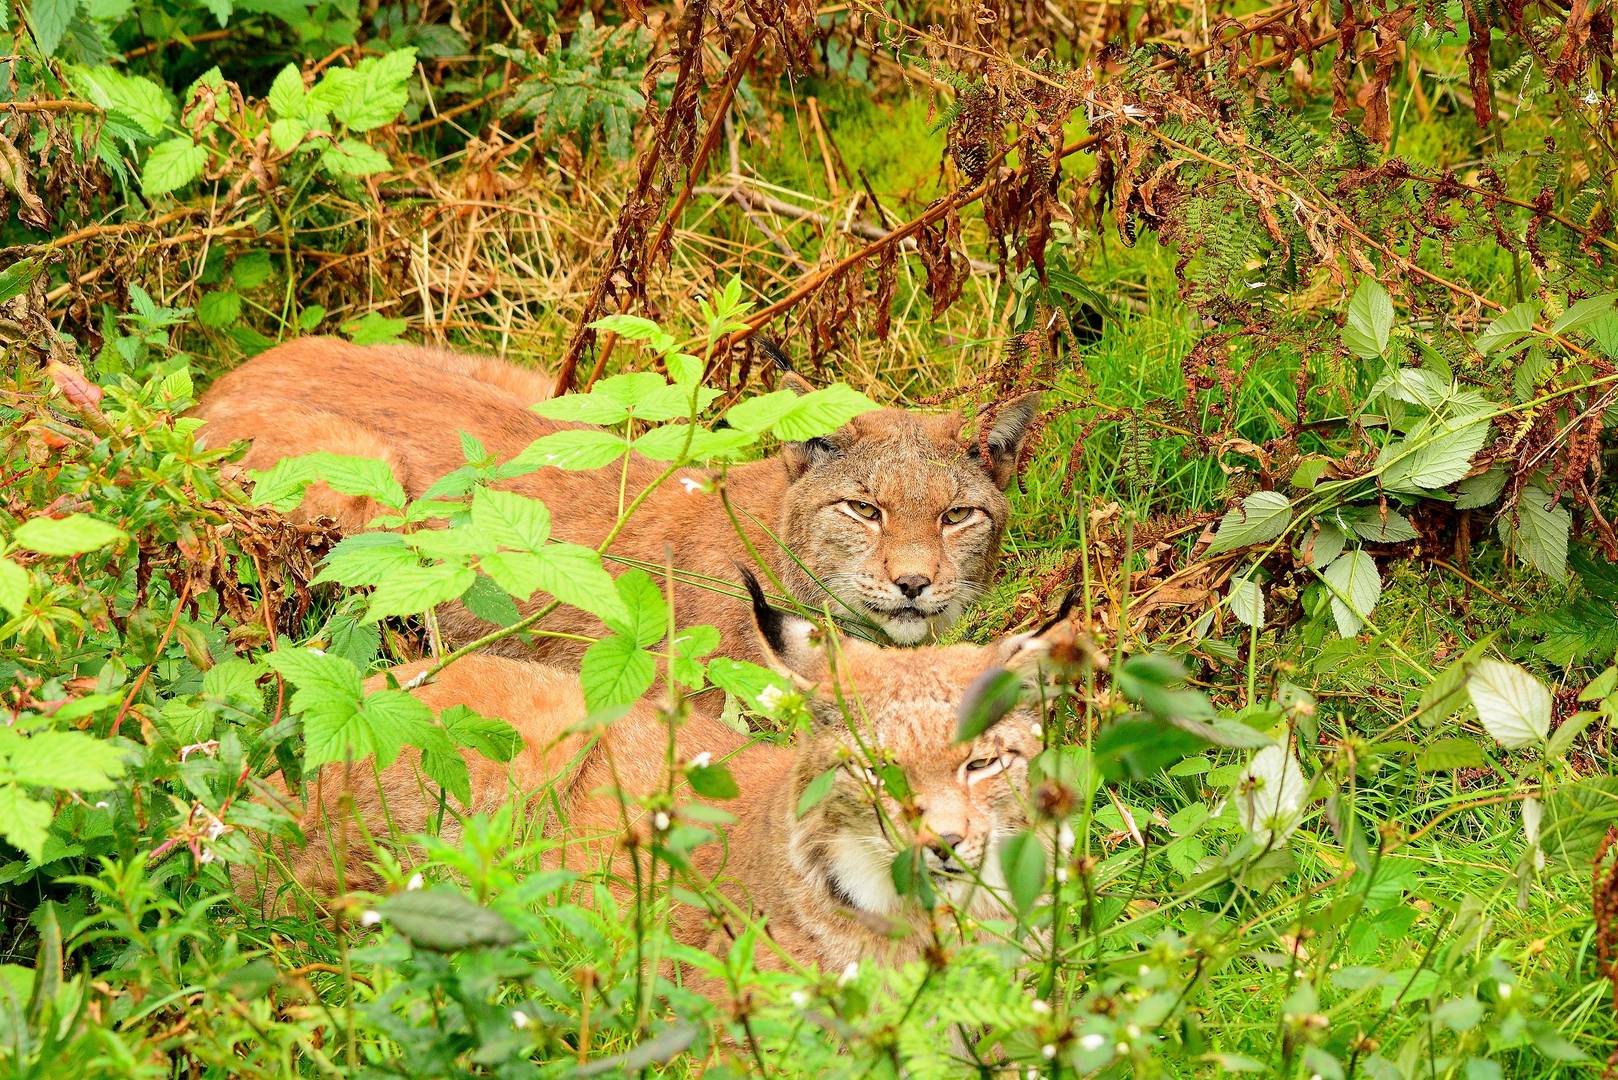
1007	435
792	644
790	379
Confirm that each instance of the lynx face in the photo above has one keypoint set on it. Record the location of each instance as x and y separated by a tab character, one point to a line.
903	706
899	518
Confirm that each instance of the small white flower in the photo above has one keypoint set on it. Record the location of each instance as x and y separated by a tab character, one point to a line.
850	973
1143	970
103	805
370	917
800	999
317	652
660	821
519	1019
1061	875
1064	840
207	857
1503	991
1591	97
1049	1050
1133	1031
416	881
1037	730
1299	973
1121	1048
702	760
1041	1007
216	829
1316	1076
770	697
870	776
1093	1041
692	485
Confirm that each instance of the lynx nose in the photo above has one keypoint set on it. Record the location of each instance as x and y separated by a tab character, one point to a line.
912	585
945	845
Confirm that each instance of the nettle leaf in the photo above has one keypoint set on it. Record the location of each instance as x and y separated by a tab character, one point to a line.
71	535
1434	454
576	449
1379	525
1513	706
1023	863
1355	586
24	820
1480	490
61	759
572	574
1509	329
287	97
172	164
666	443
1369	322
14	586
1536	531
615	671
50	20
410	590
1262	517
1247	602
796	417
511	520
1585	311
373	92
648	613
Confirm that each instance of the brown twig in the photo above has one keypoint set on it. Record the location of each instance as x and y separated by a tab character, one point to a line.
52	105
190	41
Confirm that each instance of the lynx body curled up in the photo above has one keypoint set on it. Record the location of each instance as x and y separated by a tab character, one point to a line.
897	513
821	881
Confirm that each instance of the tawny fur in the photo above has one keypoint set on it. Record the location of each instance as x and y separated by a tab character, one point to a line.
404	405
820	882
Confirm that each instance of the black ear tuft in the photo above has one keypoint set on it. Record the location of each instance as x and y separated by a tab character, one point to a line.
1062	612
771	623
777	355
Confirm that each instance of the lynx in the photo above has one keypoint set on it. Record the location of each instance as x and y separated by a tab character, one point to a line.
897	515
821	881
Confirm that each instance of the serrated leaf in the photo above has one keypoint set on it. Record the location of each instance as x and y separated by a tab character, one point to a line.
615	671
74	534
1355	586
1512	705
133	98
570	573
1568	730
1247	602
1270	796
14	586
50	20
1447	755
1585	311
1480	490
591	408
287	94
1328	543
1434	454
374	329
1447	692
511	520
575	449
350	157
64	759
1263	516
411	590
287	133
444	919
648	614
712	781
24	820
219	308
365	559
172	164
635	328
797	417
374	92
1369	322
1414	386
1538	535
487	735
666	443
1508	329
1381	526
1023	864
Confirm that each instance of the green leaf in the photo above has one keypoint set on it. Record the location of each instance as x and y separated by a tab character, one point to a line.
1480	490
986	702
666	443
172	164
443	765
1512	705
576	449
488	735
1434	454
287	133
1262	517
1446	694
132	98
287	97
365	559
648	614
350	157
219	308
800	416
511	520
1022	861
712	781
591	408
1415	386
1538	535
755	686
1568	730
690	645
672	402
411	590
1447	755
322	676
615	671
572	574
1383	526
443	919
374	329
1585	311
251	269
16	278
1369	321
71	535
1355	586
1328	543
24	821
376	92
64	759
816	790
636	328
14	586
50	20
1247	602
1508	329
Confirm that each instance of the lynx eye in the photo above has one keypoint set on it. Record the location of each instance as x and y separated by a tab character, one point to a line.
957	514
978	768
866	510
